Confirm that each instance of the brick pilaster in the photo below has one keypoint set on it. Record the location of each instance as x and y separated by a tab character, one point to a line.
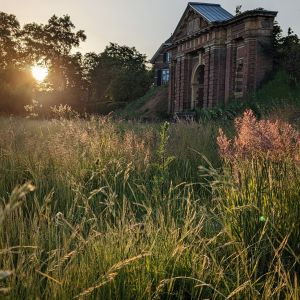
230	71
250	65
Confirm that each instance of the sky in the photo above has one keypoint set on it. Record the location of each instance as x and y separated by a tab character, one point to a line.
144	24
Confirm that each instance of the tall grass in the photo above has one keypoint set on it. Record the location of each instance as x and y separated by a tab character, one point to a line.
121	210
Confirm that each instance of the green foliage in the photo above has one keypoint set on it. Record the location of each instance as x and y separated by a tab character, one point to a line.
132	109
261	197
52	41
272	96
109	80
51	44
229	111
119	75
263	203
277	90
161	166
16	199
287	53
9	43
47	44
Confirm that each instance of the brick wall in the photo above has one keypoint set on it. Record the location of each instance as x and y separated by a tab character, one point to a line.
235	59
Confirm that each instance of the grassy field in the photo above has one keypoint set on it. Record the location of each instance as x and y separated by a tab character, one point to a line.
103	209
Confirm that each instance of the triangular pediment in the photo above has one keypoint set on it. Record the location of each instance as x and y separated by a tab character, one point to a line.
198	16
190	23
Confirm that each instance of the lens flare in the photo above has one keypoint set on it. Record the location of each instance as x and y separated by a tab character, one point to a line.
39	73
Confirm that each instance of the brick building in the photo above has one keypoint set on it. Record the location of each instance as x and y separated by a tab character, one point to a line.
213	56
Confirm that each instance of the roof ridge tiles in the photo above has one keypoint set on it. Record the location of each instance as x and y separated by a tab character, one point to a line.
204	3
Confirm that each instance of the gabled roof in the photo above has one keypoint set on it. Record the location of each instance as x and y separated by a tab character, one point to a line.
166	44
211	12
215	15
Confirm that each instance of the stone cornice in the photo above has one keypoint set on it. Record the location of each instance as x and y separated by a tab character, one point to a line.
246	14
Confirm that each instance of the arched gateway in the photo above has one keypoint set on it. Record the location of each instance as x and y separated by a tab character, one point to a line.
197	81
231	47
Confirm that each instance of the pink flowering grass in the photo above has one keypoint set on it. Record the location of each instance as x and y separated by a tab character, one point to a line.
274	140
261	165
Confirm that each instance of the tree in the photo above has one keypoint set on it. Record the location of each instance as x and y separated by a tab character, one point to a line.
120	75
9	42
290	49
15	83
50	44
116	76
89	64
56	38
276	35
70	85
287	52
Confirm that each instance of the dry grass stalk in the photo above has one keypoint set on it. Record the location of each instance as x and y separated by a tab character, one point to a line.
112	273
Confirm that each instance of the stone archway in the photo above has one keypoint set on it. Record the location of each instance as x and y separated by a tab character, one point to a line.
198	86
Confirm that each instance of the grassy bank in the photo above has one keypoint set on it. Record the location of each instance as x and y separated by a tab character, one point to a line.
153	106
276	98
104	209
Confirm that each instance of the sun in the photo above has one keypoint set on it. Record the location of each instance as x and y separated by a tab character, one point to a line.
39	73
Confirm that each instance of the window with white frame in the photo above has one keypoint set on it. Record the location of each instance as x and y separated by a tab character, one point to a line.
165	76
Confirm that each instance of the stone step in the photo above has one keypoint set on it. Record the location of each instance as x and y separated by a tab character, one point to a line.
185	115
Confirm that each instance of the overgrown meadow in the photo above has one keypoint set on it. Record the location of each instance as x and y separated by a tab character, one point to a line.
108	209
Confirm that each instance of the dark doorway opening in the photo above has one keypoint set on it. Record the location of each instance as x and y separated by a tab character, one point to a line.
198	87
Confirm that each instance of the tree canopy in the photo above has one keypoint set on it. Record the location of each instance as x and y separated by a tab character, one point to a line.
287	52
9	40
98	82
119	75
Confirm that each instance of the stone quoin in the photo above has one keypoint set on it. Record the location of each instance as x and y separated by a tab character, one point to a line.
214	56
